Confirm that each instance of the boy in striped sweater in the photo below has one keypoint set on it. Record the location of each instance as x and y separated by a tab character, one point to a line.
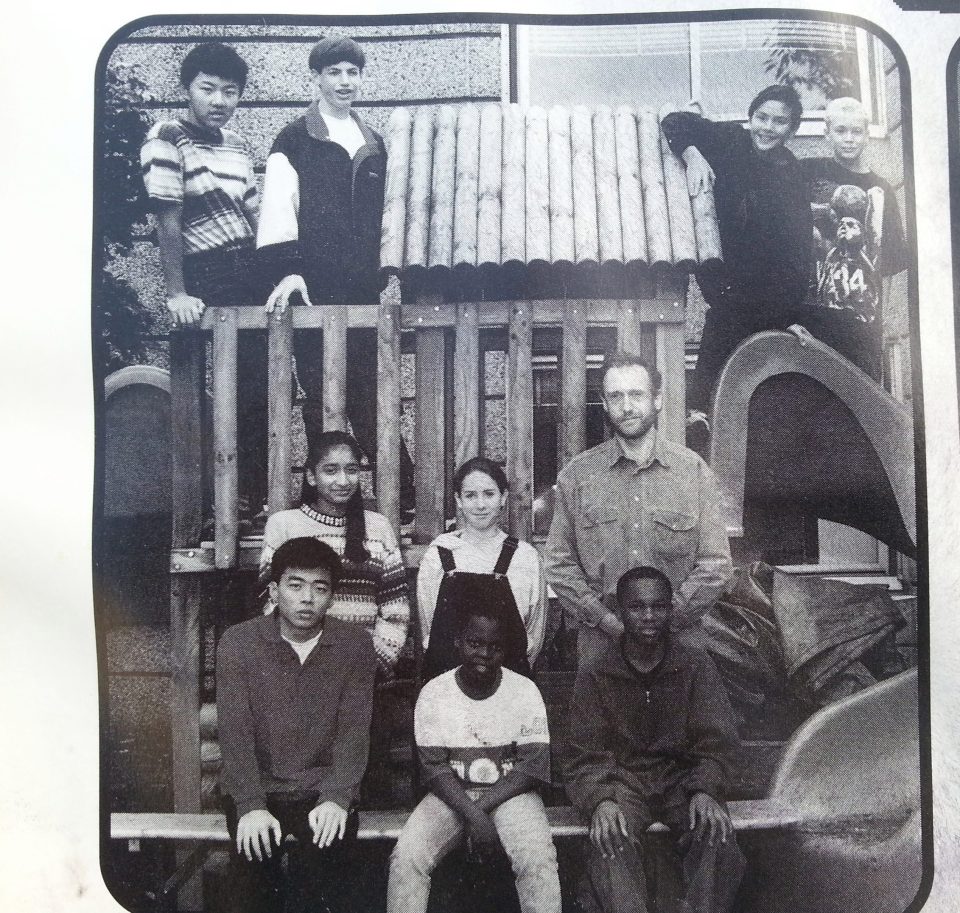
199	177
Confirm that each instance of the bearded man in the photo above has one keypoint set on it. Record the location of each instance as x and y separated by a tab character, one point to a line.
635	499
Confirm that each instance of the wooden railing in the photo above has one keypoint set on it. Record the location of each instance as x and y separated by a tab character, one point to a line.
652	323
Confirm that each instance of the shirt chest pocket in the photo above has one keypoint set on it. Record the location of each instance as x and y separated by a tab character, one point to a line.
598	529
675	535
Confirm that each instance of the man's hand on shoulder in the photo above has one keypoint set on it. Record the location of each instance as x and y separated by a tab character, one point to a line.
280	297
608	829
185	309
257	831
707	816
328	821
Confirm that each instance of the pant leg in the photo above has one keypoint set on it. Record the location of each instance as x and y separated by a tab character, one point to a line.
723	328
711	874
320	880
524	832
431	831
255	886
619	884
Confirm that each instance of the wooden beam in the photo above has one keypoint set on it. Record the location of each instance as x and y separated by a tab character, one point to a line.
670	363
334	368
187	374
429	475
388	405
466	384
629	327
225	435
200	560
572	437
280	406
520	420
185	705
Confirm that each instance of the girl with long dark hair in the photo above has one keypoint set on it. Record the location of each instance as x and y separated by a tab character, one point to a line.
373	590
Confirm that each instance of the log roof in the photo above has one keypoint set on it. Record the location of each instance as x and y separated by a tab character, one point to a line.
476	187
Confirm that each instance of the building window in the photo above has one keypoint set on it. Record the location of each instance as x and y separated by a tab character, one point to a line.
720	64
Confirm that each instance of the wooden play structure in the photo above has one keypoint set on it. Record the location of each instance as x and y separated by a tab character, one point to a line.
495	217
479	200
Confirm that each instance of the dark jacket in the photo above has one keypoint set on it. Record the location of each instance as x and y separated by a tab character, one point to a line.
669	731
338	219
291	728
766	229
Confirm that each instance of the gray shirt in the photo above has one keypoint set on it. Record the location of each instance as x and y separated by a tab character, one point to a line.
612	514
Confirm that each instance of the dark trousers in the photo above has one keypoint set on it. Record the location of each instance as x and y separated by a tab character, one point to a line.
316	880
710	874
729	321
223	279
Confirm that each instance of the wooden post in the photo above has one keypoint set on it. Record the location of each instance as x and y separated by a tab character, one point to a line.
608	193
187	373
682	235
185	710
466	202
225	436
441	195
388	405
671	297
520	419
629	329
395	193
418	200
654	191
187	394
628	179
584	187
429	475
334	367
561	187
489	185
279	396
573	363
537	187
466	384
513	219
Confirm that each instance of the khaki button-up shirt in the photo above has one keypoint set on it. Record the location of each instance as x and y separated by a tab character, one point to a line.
612	514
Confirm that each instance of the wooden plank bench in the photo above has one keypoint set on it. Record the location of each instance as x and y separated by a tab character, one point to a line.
747	815
202	833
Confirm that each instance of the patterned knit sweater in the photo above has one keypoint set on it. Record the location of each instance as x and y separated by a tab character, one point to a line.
372	593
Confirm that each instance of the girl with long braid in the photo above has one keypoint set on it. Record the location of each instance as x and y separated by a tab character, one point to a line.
373	590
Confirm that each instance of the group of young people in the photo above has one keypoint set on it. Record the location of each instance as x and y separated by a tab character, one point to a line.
805	242
637	550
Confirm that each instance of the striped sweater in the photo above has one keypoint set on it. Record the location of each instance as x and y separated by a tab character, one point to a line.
372	593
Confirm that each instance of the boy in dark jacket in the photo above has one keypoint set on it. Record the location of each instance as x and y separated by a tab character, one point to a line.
319	233
294	697
651	739
765	226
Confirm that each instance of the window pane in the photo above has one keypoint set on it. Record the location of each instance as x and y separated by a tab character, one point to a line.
737	59
641	65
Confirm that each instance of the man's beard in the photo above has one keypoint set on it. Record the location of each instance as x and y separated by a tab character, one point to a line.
638	432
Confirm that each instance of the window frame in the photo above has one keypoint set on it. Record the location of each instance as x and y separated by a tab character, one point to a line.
869	61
